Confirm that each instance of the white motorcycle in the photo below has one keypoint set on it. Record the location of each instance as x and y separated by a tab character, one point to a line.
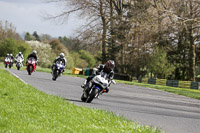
19	63
57	70
96	87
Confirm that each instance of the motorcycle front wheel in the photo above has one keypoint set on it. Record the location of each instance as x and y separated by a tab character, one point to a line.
83	98
92	95
30	69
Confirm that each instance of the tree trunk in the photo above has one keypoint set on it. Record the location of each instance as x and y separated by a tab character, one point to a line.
104	32
192	54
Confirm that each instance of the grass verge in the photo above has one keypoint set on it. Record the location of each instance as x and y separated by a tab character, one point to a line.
179	91
25	109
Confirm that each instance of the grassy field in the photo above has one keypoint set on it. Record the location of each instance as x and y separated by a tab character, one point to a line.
25	109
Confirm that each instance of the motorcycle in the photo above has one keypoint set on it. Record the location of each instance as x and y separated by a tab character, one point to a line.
19	63
31	65
57	69
8	62
96	87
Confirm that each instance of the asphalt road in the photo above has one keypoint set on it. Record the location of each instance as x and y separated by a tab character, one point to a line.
169	112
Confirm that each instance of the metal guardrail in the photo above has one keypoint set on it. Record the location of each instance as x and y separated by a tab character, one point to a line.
171	83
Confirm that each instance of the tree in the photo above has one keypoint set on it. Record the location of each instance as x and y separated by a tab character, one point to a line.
13	46
28	37
7	30
158	63
36	36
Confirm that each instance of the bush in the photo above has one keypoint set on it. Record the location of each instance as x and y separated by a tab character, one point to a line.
85	55
45	53
13	46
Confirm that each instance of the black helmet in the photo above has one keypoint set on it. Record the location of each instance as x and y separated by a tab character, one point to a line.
110	65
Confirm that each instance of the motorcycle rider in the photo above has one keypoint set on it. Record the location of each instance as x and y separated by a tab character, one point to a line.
12	58
7	56
33	55
19	55
107	68
60	58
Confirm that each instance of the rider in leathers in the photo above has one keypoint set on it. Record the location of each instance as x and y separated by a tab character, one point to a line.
60	58
11	57
19	55
107	68
34	55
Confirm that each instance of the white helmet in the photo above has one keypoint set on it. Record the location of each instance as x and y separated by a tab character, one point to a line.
34	52
11	55
62	55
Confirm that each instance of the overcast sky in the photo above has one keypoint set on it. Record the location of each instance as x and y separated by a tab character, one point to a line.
28	16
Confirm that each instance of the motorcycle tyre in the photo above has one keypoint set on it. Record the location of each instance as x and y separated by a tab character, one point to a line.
83	98
30	69
92	96
55	75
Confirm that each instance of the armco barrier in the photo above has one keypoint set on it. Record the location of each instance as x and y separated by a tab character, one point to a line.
151	81
172	83
195	85
121	77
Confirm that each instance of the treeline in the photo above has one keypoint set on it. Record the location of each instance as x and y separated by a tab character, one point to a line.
158	38
47	47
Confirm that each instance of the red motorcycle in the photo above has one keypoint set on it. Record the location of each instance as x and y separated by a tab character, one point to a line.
31	65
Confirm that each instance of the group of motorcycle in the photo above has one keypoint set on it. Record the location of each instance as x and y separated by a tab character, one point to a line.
31	63
91	91
9	62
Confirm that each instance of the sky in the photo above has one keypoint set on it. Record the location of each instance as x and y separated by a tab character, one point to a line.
28	16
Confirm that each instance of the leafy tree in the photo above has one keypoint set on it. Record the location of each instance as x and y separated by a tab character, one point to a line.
7	30
85	55
36	36
58	47
28	37
158	63
13	46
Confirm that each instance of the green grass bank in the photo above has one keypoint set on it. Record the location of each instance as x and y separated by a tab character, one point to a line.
25	109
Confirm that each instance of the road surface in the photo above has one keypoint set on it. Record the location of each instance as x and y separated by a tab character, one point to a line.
169	112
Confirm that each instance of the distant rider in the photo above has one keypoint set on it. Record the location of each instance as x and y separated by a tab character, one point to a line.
60	58
107	68
19	55
12	58
7	56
